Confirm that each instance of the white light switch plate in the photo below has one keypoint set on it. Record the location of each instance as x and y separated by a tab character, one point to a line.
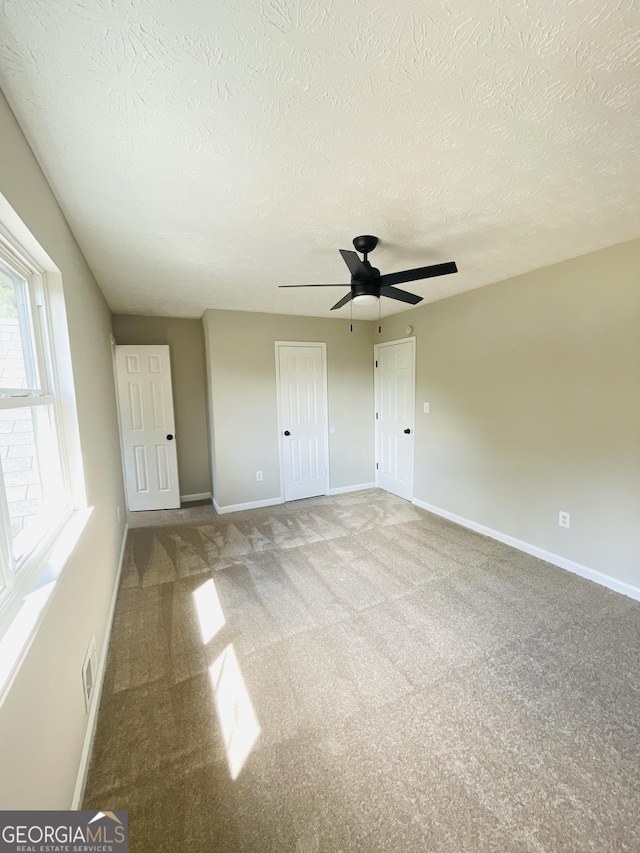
426	408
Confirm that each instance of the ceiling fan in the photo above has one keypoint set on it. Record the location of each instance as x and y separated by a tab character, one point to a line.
367	285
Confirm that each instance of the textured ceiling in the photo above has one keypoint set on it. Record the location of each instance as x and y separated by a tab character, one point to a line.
205	152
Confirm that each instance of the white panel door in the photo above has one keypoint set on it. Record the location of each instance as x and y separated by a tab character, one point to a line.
147	427
395	393
303	423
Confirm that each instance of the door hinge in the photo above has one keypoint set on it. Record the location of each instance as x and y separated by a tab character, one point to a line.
376	362
376	416
376	466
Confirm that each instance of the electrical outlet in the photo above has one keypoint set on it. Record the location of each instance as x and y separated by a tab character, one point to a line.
258	475
564	519
426	408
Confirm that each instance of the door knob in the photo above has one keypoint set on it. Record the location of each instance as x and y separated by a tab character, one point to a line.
169	437
286	432
407	431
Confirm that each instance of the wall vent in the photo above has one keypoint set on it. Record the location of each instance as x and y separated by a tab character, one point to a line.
89	673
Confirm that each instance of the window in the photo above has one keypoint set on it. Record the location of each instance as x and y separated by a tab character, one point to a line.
34	488
43	501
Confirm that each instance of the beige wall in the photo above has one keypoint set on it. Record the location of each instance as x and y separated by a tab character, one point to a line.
43	719
186	346
534	392
242	387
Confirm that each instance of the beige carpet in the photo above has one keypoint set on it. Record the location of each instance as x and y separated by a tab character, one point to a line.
375	678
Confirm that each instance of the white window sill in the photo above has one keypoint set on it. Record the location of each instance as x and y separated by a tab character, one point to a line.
22	615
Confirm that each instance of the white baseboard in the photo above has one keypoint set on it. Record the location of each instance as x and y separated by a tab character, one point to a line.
200	496
85	758
535	551
343	490
222	510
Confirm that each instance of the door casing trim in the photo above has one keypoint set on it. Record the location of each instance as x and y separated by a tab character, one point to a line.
115	347
325	400
376	348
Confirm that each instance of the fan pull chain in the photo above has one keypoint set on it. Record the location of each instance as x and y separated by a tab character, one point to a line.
351	313
379	310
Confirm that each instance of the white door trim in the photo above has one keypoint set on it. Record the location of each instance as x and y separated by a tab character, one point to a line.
325	400
376	348
155	495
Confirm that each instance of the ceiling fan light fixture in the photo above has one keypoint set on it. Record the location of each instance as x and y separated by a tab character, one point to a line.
366	299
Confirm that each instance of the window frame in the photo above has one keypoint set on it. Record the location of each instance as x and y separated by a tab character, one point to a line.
16	572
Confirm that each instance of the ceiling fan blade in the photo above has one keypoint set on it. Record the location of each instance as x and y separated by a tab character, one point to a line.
313	285
356	267
420	272
343	301
400	295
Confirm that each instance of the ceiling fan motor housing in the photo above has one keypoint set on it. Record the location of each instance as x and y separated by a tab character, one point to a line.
373	273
